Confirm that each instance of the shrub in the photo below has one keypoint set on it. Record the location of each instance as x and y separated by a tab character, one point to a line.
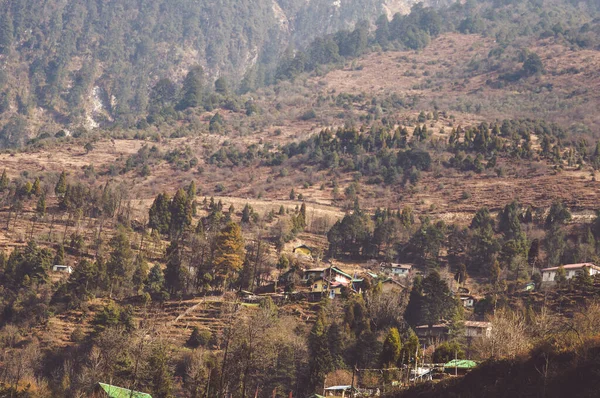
199	338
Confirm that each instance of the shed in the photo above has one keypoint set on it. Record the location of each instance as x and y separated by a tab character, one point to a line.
108	391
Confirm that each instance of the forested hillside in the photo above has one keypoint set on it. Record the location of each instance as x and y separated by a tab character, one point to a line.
96	64
70	58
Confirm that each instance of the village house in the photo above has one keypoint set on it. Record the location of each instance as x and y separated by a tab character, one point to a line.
438	333
432	335
390	285
571	270
467	300
330	281
476	329
67	269
395	269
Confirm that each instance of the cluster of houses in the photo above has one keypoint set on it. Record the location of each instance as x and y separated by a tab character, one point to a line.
331	281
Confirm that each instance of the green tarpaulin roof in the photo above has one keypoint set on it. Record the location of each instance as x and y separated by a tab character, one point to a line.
461	364
118	392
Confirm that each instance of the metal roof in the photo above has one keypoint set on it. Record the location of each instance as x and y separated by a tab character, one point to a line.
461	364
338	388
118	392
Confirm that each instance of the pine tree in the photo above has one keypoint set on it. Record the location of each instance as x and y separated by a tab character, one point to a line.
61	186
192	89
392	347
438	302
36	189
191	190
120	263
246	213
6	32
40	208
140	275
159	215
161	375
181	213
221	86
292	194
4	181
320	362
156	280
59	258
229	252
175	273
301	218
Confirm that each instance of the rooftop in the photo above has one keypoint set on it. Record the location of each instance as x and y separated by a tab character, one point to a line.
573	266
461	364
395	265
118	392
478	324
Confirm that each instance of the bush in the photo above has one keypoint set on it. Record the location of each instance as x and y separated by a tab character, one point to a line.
448	351
199	338
308	115
77	335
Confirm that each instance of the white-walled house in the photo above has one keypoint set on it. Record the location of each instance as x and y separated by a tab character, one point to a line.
571	270
62	268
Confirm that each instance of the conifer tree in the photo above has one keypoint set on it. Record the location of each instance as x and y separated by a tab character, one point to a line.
161	375
61	186
320	362
6	32
229	253
246	213
59	258
175	273
159	215
40	207
36	189
120	263
192	89
181	213
4	181
392	348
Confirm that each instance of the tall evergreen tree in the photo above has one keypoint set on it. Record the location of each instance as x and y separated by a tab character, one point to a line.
40	207
392	348
161	374
6	31
4	181
61	186
181	213
320	362
120	263
192	88
175	273
159	215
229	252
